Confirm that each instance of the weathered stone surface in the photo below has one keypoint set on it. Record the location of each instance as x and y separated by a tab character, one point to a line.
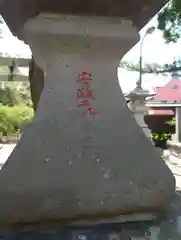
70	166
168	227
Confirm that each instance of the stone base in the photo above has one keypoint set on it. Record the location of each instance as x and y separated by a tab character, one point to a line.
105	231
110	231
119	219
117	231
165	227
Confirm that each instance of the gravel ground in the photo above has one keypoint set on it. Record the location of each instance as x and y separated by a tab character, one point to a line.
174	163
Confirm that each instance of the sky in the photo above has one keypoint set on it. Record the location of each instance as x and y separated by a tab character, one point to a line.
155	50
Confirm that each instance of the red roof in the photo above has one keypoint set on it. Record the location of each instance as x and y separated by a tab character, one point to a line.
157	88
170	92
160	112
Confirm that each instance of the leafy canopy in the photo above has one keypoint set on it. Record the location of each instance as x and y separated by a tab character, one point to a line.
169	21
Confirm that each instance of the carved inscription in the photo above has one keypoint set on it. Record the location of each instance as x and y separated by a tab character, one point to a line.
139	189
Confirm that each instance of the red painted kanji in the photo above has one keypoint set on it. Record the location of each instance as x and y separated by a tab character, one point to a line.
85	74
84	80
84	93
92	112
84	77
85	103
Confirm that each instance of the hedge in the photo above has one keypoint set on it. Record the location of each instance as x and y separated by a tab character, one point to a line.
12	119
13	94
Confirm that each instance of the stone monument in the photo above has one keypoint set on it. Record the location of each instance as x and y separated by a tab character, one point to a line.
83	157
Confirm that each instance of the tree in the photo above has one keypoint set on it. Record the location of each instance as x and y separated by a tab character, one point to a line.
36	76
147	68
169	21
153	68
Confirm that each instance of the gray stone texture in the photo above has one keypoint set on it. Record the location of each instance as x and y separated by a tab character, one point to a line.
71	167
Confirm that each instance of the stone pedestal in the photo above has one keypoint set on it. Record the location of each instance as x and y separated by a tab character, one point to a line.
83	156
178	125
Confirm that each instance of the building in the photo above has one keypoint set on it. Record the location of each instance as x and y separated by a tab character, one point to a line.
164	106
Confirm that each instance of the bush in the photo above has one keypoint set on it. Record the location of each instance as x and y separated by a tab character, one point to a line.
13	94
12	119
161	136
172	122
160	139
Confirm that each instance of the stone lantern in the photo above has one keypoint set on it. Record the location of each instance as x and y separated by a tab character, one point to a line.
83	157
136	103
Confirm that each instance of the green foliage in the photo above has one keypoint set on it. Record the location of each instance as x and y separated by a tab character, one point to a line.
11	94
15	107
172	122
146	68
161	136
160	139
153	68
12	119
169	21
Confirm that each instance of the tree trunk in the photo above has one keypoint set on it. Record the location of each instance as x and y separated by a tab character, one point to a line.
36	78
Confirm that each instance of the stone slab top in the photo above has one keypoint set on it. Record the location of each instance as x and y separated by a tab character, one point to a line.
138	11
58	24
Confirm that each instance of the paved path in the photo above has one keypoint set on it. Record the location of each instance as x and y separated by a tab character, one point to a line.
174	164
5	151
